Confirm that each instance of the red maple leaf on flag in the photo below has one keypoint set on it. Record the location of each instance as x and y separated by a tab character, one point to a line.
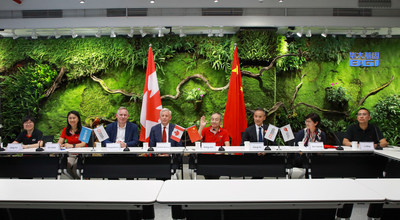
151	104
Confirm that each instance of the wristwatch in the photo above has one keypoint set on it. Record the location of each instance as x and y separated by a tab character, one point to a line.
73	145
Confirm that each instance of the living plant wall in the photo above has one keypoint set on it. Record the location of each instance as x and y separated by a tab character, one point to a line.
289	78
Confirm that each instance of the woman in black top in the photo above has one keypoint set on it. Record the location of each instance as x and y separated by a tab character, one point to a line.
30	137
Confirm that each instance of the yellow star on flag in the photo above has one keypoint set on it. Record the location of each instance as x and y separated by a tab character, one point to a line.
241	88
235	70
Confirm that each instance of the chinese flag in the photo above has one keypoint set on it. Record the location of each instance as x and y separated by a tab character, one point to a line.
193	133
235	113
151	104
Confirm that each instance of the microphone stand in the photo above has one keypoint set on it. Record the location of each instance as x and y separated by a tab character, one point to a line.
150	148
337	139
221	148
39	148
378	147
1	145
267	147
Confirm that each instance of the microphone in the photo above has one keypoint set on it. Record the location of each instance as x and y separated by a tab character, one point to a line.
378	147
266	147
337	139
39	148
221	148
126	148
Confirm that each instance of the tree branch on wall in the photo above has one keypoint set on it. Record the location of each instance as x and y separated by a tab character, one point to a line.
297	90
259	74
105	87
55	83
320	109
373	92
198	76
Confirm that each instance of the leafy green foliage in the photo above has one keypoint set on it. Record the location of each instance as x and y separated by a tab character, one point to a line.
337	95
195	94
329	49
256	45
290	63
386	114
21	96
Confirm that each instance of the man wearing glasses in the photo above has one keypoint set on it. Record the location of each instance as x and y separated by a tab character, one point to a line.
363	131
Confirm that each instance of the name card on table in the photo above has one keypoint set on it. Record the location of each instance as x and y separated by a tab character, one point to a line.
209	146
113	147
52	147
163	146
256	146
14	147
316	145
366	145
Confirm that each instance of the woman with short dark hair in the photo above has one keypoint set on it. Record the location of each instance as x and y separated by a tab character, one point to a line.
311	133
30	137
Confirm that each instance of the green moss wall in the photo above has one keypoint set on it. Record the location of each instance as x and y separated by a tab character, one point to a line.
121	64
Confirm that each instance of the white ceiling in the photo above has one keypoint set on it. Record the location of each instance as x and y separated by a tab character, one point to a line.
86	19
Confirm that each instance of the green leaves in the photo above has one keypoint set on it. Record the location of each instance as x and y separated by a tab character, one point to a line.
386	115
21	94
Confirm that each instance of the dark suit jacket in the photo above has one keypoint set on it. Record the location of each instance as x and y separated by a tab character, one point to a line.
131	134
156	136
250	134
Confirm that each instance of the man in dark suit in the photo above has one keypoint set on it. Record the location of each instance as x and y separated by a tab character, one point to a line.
256	132
162	132
122	132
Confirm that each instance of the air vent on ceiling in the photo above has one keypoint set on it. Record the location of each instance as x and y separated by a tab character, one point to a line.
363	12
116	12
42	14
374	3
137	11
222	11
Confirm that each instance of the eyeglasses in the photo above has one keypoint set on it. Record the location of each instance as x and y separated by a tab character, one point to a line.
362	114
28	123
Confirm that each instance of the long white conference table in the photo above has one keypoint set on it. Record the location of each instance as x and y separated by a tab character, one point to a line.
102	163
227	198
78	199
264	199
390	189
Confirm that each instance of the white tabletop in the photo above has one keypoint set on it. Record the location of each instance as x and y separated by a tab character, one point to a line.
133	150
389	188
33	151
276	149
241	149
265	191
111	194
389	152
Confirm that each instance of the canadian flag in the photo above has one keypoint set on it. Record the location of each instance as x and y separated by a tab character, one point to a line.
177	133
151	104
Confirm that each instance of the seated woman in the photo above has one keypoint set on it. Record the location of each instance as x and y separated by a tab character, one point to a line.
30	137
71	134
309	134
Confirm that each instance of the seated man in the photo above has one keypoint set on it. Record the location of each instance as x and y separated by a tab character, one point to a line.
162	132
363	131
255	133
123	132
214	133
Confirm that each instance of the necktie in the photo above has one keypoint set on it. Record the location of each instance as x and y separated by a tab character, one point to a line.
164	136
260	137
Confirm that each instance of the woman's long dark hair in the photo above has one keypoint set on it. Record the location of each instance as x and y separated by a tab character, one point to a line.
79	125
